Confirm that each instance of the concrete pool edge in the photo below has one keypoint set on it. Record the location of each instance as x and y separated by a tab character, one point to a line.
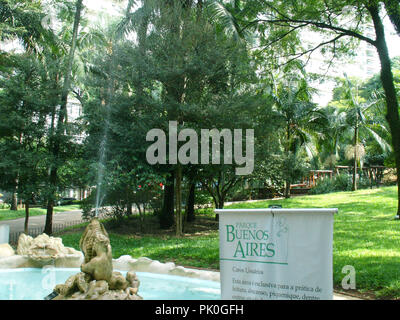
123	263
144	264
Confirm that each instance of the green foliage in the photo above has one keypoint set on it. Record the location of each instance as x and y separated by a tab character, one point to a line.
356	109
341	182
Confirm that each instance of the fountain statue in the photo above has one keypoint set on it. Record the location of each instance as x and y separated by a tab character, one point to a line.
97	280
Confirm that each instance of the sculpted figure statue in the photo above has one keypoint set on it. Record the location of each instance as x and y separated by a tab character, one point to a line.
95	245
97	281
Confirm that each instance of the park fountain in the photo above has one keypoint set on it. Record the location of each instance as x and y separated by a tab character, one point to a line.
97	280
43	268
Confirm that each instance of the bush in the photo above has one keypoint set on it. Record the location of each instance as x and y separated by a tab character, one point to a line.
341	182
202	197
324	186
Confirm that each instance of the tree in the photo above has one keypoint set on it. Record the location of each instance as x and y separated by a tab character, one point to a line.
359	118
55	139
188	68
300	119
337	20
23	111
23	20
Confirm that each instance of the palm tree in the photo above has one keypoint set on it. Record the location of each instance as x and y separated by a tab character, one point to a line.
300	117
23	20
329	142
359	120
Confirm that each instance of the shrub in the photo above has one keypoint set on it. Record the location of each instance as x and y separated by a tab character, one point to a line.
323	186
341	182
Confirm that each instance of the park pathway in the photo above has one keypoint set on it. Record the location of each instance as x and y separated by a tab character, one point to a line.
17	225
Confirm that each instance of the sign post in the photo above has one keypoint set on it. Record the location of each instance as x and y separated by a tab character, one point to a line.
276	254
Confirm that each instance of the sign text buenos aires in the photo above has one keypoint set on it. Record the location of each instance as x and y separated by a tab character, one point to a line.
272	254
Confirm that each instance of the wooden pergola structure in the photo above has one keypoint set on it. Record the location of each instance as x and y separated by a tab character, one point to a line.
311	180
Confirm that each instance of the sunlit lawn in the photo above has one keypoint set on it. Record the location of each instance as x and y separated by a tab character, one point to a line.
366	236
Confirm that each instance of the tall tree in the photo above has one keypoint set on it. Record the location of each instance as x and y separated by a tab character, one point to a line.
55	140
23	110
300	119
337	20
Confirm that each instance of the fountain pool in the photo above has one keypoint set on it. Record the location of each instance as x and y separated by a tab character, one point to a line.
37	283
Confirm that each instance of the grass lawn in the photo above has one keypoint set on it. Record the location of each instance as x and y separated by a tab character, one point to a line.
7	214
366	236
199	247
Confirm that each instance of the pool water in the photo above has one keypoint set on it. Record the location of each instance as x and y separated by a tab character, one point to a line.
35	284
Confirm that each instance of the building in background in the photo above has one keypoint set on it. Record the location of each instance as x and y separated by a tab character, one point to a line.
364	65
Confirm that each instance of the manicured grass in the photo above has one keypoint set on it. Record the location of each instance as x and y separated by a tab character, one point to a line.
7	214
366	236
199	251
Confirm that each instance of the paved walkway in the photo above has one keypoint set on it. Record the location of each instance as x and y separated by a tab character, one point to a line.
339	296
17	225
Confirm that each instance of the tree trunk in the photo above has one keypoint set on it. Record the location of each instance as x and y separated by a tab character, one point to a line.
48	228
179	218
167	212
355	159
287	189
14	202
129	208
387	79
26	217
220	202
190	216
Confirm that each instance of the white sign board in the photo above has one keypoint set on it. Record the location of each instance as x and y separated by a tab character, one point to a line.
4	233
276	254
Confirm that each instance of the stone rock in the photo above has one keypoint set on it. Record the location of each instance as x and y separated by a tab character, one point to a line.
44	250
43	247
6	250
133	281
118	282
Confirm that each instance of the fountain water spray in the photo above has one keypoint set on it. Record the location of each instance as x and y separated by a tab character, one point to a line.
100	171
103	143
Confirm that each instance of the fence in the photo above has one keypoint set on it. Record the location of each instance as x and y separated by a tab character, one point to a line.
33	232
